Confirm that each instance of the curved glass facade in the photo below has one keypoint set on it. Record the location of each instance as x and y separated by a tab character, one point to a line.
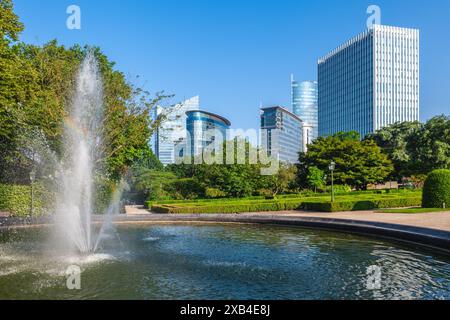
204	130
305	104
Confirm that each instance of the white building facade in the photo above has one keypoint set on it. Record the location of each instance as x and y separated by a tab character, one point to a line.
370	82
172	132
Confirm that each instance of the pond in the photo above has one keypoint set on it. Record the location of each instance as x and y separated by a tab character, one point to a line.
222	262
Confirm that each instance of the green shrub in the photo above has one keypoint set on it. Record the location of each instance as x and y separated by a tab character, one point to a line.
238	207
348	202
339	188
436	190
16	199
213	193
361	205
187	188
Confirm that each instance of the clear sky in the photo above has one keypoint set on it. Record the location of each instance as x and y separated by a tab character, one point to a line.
236	54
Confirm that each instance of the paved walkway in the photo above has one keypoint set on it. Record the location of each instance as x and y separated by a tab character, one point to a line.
434	220
136	210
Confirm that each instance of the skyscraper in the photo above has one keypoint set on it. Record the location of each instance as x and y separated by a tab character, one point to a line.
281	134
305	105
172	130
370	82
205	129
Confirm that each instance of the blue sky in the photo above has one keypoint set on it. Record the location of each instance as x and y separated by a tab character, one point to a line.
236	54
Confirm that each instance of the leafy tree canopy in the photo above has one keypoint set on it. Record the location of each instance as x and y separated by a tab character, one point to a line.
358	163
416	148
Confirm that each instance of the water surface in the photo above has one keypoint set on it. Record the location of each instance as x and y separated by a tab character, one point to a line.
221	262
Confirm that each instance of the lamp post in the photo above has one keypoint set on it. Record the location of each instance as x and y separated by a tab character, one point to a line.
332	166
32	179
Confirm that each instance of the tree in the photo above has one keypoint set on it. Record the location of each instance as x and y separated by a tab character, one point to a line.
284	181
416	148
358	163
235	180
151	183
399	142
433	144
10	26
36	95
316	178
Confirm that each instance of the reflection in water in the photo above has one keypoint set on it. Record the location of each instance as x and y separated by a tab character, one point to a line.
222	262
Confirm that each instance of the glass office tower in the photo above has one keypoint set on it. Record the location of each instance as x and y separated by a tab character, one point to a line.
370	82
204	129
281	134
172	131
305	104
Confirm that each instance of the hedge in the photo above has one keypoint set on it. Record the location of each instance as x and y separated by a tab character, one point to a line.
313	204
16	199
436	190
231	207
299	196
360	205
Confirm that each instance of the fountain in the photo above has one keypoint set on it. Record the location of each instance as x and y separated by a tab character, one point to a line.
188	261
81	155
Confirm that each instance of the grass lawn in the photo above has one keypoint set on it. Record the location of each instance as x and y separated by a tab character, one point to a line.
413	210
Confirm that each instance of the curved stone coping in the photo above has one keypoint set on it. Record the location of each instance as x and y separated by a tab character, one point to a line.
432	238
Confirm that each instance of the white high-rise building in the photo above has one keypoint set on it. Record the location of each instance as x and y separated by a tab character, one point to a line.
172	132
370	82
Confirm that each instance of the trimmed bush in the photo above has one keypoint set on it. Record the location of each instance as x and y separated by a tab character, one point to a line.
16	199
321	203
361	205
256	206
436	190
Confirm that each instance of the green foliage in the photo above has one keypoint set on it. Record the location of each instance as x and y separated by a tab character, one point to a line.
358	163
16	199
348	202
315	178
104	190
357	205
416	148
10	26
436	191
231	207
36	85
235	180
151	183
184	188
339	188
281	182
434	145
213	193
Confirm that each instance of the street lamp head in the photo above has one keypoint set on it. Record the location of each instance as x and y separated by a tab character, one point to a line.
32	176
332	166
